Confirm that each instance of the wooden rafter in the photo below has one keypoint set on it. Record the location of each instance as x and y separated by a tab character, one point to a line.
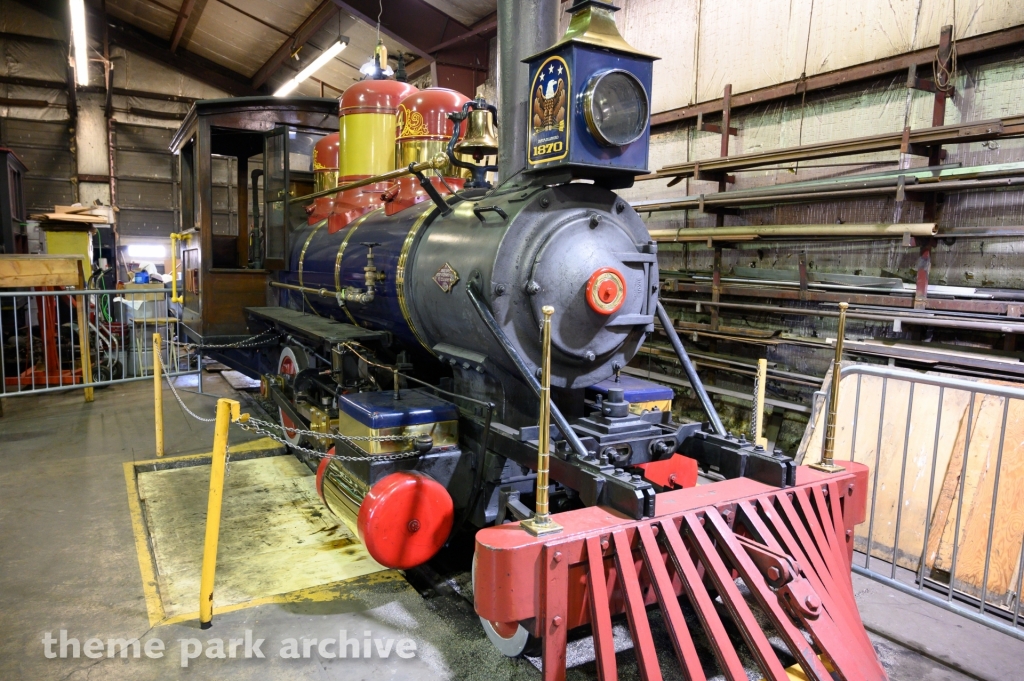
313	23
179	24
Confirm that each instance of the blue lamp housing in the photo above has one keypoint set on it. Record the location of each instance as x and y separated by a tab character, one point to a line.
590	103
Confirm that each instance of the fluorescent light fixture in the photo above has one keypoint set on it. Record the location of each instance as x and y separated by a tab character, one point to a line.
80	40
147	251
314	66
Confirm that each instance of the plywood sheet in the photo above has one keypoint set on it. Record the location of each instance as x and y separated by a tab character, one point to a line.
886	456
666	29
17	271
750	44
971	490
973	17
276	536
845	33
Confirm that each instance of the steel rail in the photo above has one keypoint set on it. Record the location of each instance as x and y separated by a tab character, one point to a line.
751	232
911	319
846	190
977	131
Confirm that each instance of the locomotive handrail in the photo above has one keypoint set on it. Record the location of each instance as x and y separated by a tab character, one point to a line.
436	163
691	371
531	380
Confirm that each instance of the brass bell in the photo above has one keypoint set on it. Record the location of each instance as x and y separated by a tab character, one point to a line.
481	138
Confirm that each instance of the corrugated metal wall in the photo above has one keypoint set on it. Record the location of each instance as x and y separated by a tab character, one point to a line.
45	147
147	181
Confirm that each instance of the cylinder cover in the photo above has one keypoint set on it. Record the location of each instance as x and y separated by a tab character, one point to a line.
405	519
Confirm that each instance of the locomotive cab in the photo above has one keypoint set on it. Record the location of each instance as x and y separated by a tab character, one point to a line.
241	162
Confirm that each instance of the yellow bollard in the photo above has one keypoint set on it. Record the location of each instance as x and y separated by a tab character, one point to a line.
158	395
829	441
227	411
83	345
758	424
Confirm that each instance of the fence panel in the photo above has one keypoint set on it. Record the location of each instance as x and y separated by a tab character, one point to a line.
45	345
946	496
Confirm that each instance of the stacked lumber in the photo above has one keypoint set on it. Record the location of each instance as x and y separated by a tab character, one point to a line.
976	496
80	214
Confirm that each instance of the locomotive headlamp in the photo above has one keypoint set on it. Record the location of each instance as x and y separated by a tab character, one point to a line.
615	106
589	111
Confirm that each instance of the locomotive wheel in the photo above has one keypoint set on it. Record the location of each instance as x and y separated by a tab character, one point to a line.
510	638
292	361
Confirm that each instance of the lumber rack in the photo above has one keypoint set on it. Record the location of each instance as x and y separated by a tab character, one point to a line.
924	184
916	142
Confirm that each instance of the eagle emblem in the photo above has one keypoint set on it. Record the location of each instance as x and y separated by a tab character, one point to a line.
549	109
549	106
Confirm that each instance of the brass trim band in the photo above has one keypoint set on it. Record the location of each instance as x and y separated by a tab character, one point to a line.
403	259
302	260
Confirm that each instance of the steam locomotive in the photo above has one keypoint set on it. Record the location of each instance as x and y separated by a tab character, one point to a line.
390	299
448	356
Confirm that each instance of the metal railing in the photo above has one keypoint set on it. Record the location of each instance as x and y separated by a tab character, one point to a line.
946	488
47	342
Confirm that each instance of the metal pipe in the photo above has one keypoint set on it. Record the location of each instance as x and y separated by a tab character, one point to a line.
83	346
919	180
541	522
826	464
974	131
748	233
691	372
912	319
322	292
436	163
525	27
175	296
227	411
531	380
158	396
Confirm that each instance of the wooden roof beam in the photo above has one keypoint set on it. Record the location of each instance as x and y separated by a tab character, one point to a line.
179	24
157	49
325	11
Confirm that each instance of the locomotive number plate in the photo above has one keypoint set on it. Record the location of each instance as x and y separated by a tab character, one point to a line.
446	278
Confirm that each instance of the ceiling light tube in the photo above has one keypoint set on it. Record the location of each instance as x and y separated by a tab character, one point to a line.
80	41
314	66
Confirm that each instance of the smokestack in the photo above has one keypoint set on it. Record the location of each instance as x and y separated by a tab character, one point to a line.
525	27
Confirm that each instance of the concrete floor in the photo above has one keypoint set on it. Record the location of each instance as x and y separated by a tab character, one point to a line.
68	562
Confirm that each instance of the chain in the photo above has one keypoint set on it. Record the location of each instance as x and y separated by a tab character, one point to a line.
333	436
253	341
261	427
267	429
158	365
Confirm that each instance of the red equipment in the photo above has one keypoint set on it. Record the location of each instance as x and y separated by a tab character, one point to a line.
792	548
51	373
405	519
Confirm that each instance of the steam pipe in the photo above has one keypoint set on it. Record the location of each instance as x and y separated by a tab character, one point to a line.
525	27
691	371
436	163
